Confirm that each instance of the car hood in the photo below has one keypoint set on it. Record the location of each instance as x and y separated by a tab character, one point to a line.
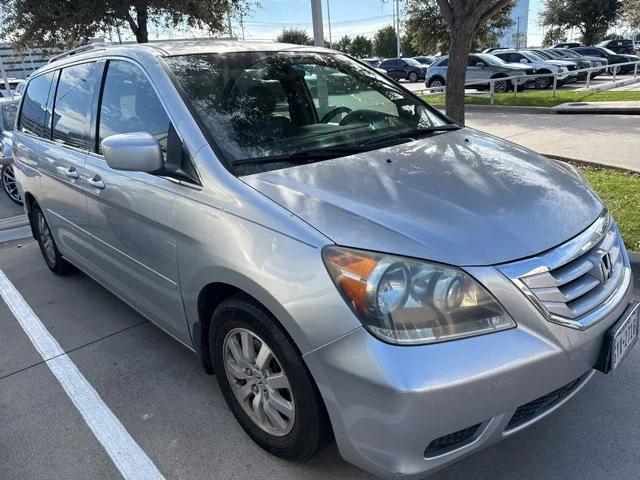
515	66
462	198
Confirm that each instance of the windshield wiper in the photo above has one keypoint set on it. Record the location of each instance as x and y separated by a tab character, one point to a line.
305	156
412	135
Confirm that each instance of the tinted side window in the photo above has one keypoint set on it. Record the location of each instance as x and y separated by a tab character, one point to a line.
33	113
130	104
72	104
444	63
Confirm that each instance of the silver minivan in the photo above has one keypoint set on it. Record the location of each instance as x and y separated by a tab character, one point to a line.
348	261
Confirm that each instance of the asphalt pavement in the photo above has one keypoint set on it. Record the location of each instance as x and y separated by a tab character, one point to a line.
176	414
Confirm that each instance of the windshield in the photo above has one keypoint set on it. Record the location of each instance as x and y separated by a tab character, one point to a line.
544	55
258	105
534	56
491	59
610	52
569	54
554	55
413	61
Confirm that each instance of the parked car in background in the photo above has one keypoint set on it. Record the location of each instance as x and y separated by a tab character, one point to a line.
612	58
581	63
570	64
540	64
567	45
404	69
425	59
8	108
481	66
571	55
373	273
14	84
372	62
619	45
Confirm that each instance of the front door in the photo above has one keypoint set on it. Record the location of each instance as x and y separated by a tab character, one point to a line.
131	214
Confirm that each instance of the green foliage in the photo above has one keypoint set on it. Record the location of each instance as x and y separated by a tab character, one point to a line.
631	13
298	36
361	47
592	18
431	33
384	42
554	35
343	44
407	47
67	23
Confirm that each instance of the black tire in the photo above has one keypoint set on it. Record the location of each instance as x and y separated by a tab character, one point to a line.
543	83
8	180
435	84
50	252
502	86
413	77
311	430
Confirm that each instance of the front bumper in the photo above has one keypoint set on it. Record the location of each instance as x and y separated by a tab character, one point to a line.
388	403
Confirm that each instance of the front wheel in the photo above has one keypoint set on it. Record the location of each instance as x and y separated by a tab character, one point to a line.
413	77
501	86
9	184
436	84
265	382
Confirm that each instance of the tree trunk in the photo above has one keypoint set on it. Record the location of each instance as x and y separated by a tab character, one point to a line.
142	18
461	39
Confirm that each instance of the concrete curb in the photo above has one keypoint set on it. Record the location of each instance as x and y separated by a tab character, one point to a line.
609	85
588	163
503	109
13	222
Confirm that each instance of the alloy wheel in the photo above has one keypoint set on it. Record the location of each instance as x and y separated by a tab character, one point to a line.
9	184
413	77
501	86
258	381
44	234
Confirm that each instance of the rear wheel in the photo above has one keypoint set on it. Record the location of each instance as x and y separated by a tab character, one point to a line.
265	382
48	247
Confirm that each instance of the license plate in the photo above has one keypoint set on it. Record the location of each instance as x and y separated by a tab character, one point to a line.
621	338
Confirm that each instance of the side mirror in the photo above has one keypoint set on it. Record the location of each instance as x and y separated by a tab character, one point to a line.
134	152
480	65
524	60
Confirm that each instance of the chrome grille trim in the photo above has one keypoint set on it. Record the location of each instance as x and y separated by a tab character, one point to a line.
566	284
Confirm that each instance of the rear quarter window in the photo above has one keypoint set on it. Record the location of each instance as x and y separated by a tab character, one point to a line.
33	112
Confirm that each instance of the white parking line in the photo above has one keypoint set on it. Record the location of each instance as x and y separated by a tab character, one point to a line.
126	454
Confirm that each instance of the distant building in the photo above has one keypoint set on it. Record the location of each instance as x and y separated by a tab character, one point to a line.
516	36
21	64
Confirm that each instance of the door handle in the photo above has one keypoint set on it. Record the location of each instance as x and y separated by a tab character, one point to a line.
71	172
96	182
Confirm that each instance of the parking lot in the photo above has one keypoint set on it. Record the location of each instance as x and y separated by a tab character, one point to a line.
176	414
599	80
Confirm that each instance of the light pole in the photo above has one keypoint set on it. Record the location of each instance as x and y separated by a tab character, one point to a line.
329	24
398	28
316	15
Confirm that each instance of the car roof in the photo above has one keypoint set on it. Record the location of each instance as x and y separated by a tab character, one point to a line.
174	47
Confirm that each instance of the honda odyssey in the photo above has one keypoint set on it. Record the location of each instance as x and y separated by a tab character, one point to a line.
350	263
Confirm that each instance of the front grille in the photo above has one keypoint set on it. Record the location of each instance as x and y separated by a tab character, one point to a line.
450	442
537	407
572	67
575	278
529	71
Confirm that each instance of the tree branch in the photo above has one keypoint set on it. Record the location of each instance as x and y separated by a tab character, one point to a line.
482	17
132	23
446	10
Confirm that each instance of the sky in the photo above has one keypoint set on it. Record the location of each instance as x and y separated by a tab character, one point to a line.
348	17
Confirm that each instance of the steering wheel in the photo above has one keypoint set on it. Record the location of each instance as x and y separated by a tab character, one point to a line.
363	116
333	112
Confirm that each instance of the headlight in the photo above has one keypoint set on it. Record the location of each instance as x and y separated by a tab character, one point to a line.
408	302
563	69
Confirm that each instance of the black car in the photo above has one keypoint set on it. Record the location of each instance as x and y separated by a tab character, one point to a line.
567	45
404	68
612	57
619	45
425	59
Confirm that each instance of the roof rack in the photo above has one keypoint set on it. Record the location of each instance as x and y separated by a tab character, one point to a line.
82	49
